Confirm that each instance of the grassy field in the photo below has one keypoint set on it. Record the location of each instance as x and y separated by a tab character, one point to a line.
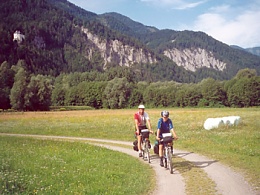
238	147
34	166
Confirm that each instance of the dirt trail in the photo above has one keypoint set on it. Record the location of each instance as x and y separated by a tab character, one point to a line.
227	181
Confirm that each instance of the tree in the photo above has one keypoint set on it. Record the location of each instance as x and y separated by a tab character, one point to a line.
58	95
90	93
72	97
188	95
18	91
136	98
245	92
38	94
193	95
117	93
213	92
60	87
150	94
6	83
246	73
95	94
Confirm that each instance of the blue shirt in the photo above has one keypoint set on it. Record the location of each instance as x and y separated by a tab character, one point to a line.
164	126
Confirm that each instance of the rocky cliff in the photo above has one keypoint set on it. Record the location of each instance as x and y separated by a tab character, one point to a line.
114	51
194	58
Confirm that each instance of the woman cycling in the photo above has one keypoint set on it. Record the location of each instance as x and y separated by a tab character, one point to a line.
165	125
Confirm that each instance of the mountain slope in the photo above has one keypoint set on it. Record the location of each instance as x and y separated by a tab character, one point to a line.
125	25
61	38
254	50
183	47
64	45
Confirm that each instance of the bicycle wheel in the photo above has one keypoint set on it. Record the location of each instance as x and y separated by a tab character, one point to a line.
143	150
169	159
147	151
165	157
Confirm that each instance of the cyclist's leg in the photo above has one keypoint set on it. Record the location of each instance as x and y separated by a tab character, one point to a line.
139	139
139	145
172	147
161	154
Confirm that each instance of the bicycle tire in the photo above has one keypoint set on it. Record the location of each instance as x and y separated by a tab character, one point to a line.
169	159
165	157
147	151
143	150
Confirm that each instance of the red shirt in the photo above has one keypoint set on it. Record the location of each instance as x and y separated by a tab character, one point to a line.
141	118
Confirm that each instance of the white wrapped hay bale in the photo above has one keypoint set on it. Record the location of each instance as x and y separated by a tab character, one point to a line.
234	120
226	121
212	123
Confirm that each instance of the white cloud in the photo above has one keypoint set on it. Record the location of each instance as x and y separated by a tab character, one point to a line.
97	6
175	4
189	5
242	29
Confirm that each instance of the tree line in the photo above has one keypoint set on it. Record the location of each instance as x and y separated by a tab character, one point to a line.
117	89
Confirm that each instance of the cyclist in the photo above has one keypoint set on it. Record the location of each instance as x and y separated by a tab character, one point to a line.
141	118
165	125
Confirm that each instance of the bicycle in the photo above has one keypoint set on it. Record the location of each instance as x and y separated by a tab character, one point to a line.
145	143
167	141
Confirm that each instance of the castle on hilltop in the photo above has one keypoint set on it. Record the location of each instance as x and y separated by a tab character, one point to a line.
18	36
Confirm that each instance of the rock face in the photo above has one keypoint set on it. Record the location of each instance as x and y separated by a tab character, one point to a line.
192	59
114	51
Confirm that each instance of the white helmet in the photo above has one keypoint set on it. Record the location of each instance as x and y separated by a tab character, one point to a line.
141	106
165	113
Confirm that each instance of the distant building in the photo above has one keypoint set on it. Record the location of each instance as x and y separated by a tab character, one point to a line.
18	36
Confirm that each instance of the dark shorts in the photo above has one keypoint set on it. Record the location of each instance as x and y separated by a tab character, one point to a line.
140	128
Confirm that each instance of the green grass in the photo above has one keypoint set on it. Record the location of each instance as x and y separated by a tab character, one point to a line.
238	147
33	166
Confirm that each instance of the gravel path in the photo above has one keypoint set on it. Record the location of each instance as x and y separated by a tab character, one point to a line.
227	181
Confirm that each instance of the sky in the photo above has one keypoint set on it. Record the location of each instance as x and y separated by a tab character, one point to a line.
234	22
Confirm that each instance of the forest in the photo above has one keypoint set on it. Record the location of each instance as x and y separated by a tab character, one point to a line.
117	89
50	68
55	44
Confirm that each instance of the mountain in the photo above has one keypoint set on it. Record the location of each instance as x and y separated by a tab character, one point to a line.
60	37
192	50
254	50
124	24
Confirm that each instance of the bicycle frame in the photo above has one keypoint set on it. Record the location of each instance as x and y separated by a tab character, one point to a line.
167	151
145	144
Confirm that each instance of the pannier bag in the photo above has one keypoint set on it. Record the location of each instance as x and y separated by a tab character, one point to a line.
145	133
156	147
135	147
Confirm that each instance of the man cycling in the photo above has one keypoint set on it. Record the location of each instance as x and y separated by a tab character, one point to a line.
165	125
141	118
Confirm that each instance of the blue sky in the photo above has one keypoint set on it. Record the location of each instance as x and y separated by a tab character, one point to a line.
234	22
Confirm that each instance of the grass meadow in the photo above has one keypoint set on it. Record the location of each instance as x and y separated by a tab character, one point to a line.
238	147
34	166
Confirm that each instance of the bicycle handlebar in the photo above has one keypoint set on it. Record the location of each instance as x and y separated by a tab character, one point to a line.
161	140
145	131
